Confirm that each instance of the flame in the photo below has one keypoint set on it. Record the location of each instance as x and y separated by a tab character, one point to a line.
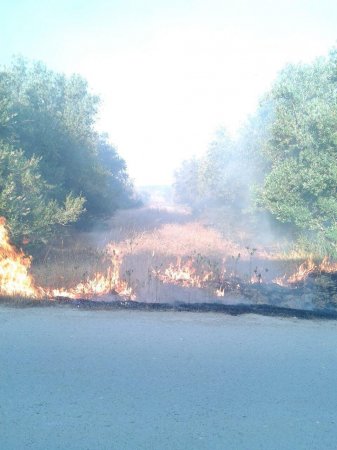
16	280
303	271
220	292
188	272
191	274
328	266
307	268
256	278
184	274
14	268
100	284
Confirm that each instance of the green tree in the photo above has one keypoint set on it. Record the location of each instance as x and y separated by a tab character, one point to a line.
301	186
24	198
51	118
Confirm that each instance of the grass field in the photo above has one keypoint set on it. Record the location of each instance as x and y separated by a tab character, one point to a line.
148	241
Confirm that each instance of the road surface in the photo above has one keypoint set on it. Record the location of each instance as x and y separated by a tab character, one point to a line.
74	379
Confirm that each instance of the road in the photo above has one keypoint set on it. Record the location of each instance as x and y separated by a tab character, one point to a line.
104	380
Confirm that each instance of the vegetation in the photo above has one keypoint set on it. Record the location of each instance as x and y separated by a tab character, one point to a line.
55	168
284	161
301	187
25	197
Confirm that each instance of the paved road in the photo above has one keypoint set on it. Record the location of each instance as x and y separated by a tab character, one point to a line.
73	379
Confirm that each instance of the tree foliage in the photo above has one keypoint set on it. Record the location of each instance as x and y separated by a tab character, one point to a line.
301	187
24	198
218	178
286	153
48	121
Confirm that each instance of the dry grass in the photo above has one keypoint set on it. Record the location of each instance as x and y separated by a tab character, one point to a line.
70	263
149	241
182	240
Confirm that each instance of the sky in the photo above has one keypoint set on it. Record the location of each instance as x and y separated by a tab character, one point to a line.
170	73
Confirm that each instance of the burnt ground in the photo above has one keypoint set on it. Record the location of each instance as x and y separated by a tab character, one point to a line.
116	304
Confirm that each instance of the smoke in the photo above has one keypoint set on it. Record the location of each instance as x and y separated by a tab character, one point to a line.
222	187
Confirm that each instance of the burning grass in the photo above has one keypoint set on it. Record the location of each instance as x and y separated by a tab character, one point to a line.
170	258
14	268
16	280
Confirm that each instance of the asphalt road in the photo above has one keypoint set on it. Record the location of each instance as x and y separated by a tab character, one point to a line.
72	379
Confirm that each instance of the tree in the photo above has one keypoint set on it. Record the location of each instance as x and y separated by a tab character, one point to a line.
187	183
51	119
24	198
223	172
301	186
219	178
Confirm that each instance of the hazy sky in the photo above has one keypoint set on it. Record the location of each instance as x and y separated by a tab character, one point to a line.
169	72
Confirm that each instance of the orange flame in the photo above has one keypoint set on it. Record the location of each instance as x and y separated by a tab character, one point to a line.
303	271
100	284
16	280
184	274
189	275
307	268
14	267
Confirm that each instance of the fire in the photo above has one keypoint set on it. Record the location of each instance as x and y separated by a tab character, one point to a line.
328	266
184	274
303	271
307	268
16	280
220	292
100	284
14	268
191	274
213	274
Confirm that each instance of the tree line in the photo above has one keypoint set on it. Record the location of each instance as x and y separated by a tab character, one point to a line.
283	161
56	170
